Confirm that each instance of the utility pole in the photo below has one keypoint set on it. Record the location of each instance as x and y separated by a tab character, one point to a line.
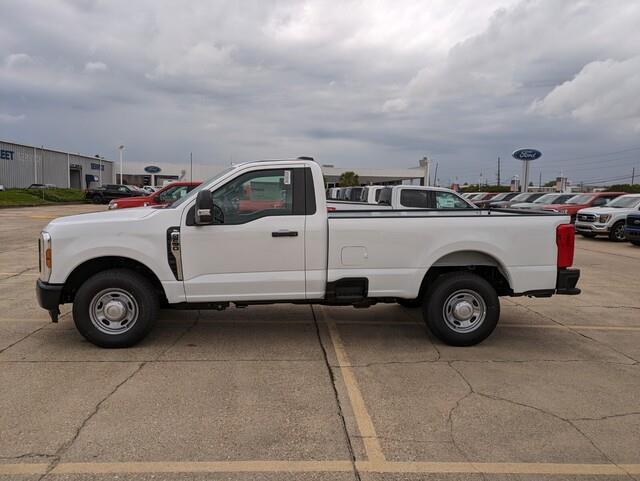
498	171
191	168
540	181
633	175
435	176
121	148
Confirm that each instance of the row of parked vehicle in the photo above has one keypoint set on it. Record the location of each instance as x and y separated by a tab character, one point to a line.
612	214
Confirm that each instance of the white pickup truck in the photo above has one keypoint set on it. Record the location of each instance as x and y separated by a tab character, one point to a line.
260	232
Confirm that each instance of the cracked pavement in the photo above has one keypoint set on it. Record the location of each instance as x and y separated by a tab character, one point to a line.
558	382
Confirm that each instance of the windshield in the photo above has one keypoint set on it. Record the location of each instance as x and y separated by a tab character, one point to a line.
547	199
500	196
521	197
580	199
195	191
625	201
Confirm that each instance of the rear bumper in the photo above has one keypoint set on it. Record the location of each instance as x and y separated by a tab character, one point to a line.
49	295
566	282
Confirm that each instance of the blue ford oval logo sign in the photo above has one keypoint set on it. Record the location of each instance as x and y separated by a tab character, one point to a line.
152	169
527	154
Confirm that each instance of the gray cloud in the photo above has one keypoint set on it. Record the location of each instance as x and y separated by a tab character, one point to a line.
352	83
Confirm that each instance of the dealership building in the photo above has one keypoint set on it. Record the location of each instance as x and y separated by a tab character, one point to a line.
22	165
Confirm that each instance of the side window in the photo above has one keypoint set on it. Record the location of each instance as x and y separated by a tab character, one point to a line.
122	188
447	200
601	201
414	198
256	194
378	192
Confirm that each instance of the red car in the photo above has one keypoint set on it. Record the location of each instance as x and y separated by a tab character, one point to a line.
580	201
168	194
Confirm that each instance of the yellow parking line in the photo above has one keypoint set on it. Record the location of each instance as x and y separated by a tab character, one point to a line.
574	326
400	467
363	420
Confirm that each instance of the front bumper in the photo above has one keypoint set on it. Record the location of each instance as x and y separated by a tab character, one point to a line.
49	297
632	234
566	282
592	228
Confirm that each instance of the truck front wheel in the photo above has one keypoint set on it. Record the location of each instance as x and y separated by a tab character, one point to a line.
617	232
115	308
461	309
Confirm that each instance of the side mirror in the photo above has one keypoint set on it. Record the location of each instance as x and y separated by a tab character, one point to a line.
204	208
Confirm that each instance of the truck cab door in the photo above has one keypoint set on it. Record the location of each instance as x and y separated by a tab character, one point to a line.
255	248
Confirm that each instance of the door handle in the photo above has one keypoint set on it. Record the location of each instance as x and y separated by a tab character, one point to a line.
285	233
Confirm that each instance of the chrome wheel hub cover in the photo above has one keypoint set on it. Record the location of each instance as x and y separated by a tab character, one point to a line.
113	311
464	311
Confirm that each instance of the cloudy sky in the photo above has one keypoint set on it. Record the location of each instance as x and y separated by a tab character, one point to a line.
371	83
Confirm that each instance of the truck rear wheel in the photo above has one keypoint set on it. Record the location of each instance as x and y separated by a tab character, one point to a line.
115	308
462	309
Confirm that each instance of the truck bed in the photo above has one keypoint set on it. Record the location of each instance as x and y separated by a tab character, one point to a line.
395	249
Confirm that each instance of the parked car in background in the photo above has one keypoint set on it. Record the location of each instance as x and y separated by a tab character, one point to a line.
333	193
582	201
546	199
501	197
108	192
632	228
149	189
521	197
167	195
471	195
42	186
371	194
1	187
399	197
609	219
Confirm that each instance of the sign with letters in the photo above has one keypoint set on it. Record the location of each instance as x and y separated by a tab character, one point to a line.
6	154
527	154
152	169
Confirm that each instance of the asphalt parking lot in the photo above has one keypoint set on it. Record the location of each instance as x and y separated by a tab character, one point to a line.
294	392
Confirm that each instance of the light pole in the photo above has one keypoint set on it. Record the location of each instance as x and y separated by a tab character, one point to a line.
121	148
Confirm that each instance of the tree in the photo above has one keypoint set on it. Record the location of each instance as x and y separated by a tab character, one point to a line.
348	179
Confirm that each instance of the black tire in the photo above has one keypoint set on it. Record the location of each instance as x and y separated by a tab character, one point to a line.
444	291
410	303
635	242
588	235
97	199
126	288
617	232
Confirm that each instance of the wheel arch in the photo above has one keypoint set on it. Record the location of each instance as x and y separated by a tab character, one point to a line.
88	268
481	263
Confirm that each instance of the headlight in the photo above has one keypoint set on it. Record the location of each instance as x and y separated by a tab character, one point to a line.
113	205
45	256
604	218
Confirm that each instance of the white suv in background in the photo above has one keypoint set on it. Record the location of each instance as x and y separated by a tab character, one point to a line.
609	219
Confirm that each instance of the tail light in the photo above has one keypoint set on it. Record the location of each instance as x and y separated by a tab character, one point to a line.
331	209
565	240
